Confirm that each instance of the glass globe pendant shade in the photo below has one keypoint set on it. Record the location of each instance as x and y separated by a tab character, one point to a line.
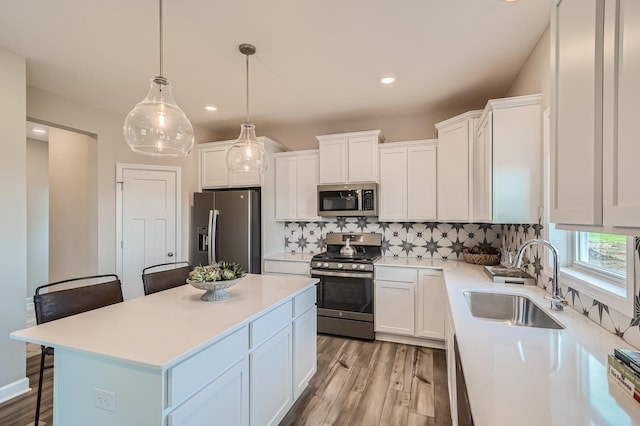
247	154
157	126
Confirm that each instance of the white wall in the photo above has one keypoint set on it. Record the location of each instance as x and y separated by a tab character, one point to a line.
37	214
13	222
535	74
111	149
73	201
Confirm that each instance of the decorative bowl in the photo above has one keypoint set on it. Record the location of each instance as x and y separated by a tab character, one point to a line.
215	290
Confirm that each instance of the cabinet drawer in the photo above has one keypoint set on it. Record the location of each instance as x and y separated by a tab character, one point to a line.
192	374
304	301
286	267
269	324
407	275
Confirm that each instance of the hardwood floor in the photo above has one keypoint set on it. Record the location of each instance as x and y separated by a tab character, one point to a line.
357	383
374	383
21	411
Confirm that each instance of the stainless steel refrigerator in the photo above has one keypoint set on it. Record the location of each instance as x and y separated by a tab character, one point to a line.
226	226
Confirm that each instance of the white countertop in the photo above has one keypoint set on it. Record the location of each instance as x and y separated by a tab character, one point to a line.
292	257
531	376
160	329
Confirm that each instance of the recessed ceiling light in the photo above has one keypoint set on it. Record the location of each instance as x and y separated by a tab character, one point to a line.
387	80
39	131
210	108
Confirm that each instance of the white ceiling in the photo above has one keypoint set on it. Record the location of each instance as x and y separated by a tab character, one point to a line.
315	61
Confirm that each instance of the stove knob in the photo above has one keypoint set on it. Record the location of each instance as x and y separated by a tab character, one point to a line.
340	266
325	265
318	264
354	266
361	266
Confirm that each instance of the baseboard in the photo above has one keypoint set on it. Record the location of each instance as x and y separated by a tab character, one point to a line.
14	389
409	340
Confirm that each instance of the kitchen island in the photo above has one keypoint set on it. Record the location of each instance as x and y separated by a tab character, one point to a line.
172	359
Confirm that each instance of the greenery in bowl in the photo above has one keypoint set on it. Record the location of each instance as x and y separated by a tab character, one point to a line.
221	271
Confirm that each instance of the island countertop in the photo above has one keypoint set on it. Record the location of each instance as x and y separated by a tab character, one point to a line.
160	329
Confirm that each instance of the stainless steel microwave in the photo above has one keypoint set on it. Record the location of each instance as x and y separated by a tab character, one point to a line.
358	199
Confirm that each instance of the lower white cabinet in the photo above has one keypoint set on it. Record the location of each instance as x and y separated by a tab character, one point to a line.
394	310
284	266
271	393
431	299
225	400
409	302
304	350
450	333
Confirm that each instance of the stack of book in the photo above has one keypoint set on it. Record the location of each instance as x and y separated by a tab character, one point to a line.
624	370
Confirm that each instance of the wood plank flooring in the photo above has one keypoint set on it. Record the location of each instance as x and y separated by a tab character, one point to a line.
357	383
21	411
374	383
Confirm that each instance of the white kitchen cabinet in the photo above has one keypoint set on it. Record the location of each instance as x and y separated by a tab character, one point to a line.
214	172
576	123
621	148
408	181
226	399
456	141
271	391
282	265
409	305
304	350
349	157
450	333
594	167
431	301
507	161
296	185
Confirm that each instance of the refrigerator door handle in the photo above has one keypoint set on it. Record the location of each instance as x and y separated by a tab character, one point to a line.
213	229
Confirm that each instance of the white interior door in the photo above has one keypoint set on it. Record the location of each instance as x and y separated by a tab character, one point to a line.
148	225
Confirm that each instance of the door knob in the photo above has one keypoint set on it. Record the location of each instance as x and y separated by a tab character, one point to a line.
170	254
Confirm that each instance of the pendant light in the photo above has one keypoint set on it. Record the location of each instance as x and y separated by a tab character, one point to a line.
246	154
157	126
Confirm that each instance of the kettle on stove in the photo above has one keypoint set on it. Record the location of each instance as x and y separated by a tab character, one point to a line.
348	249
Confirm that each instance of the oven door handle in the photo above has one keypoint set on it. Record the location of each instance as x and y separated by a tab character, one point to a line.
319	272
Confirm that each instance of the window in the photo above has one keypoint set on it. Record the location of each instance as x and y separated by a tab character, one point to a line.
604	255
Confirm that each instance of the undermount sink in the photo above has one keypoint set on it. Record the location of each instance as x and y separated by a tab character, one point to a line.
512	309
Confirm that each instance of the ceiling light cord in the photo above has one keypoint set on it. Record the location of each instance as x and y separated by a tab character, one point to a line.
247	60
161	41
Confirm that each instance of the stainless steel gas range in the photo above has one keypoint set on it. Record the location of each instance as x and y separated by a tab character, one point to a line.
345	290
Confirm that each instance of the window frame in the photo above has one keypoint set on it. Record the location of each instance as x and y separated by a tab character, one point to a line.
580	243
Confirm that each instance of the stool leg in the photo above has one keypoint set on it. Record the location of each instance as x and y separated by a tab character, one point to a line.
42	355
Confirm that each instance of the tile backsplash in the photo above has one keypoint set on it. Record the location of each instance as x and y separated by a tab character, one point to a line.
433	240
440	240
606	317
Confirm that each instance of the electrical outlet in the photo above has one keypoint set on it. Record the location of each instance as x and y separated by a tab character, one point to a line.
104	399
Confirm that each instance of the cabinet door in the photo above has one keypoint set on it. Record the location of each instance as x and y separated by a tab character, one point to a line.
363	159
421	183
393	184
270	379
621	147
482	165
395	307
333	161
307	190
244	179
454	167
576	127
431	302
213	167
286	173
225	400
305	353
451	365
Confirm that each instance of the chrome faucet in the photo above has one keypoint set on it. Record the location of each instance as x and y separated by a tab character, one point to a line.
557	301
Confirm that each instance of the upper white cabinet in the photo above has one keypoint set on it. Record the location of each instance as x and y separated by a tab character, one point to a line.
349	157
576	122
296	185
454	179
408	181
507	164
596	94
214	172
